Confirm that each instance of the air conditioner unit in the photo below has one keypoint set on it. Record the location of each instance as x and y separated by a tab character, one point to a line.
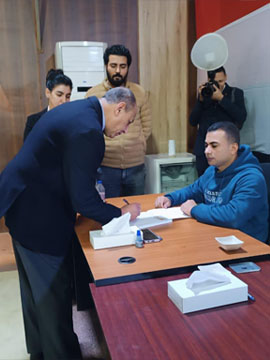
82	61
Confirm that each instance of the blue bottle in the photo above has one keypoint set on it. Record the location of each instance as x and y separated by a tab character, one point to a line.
139	240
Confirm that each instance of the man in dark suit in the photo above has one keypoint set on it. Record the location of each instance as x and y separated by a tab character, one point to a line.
222	103
50	180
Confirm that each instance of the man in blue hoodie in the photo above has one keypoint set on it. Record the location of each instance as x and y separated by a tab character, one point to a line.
232	191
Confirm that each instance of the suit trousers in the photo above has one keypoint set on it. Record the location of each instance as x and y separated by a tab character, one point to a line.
46	295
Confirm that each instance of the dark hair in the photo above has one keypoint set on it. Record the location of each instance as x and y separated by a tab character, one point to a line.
56	77
119	50
231	131
119	94
211	74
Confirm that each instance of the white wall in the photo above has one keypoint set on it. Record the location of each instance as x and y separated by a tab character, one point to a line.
248	67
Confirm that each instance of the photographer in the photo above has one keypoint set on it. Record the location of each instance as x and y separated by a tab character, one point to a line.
217	101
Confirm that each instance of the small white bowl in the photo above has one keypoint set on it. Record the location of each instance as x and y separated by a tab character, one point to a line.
229	242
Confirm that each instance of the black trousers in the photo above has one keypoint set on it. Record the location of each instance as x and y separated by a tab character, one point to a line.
46	294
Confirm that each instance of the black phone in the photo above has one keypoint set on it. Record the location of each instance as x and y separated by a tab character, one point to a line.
149	236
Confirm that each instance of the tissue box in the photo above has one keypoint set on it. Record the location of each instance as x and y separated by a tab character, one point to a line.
187	301
101	241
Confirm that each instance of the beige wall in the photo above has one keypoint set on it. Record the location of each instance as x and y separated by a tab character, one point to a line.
163	69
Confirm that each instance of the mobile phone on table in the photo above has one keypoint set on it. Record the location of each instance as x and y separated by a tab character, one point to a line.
245	267
149	236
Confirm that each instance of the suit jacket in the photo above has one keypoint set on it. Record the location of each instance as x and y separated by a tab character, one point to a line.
31	122
53	177
230	108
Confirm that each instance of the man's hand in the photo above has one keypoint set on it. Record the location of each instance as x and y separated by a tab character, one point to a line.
217	95
134	210
187	206
162	202
200	91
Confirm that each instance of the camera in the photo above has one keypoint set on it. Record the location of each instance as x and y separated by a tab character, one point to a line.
208	89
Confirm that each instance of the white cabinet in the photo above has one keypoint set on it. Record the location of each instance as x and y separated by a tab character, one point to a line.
167	173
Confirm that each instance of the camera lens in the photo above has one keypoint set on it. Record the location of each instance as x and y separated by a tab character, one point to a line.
207	91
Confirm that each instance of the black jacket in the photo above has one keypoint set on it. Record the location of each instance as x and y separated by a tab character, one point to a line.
31	122
205	113
53	177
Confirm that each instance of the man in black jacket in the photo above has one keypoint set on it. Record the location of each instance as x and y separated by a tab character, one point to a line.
50	180
217	101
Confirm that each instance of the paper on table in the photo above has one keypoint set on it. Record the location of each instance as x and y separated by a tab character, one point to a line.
170	213
150	221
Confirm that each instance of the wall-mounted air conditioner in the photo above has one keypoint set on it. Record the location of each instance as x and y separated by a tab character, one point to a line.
82	61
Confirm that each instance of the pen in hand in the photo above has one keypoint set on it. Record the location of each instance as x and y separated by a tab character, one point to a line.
134	209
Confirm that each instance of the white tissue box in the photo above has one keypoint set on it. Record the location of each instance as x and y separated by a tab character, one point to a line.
101	241
187	301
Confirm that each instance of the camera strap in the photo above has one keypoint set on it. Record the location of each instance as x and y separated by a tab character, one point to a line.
233	95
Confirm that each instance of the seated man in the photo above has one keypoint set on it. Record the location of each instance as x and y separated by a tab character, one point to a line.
232	192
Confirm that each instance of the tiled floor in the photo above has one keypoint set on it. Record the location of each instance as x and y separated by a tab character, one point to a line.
12	343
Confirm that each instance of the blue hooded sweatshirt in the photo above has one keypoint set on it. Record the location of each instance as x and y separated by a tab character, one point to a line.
235	197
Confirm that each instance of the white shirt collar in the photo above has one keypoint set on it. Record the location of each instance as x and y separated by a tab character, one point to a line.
103	116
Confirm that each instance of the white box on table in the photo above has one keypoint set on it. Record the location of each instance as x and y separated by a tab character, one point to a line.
101	241
187	301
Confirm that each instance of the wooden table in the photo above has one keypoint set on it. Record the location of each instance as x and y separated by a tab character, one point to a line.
185	243
140	322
